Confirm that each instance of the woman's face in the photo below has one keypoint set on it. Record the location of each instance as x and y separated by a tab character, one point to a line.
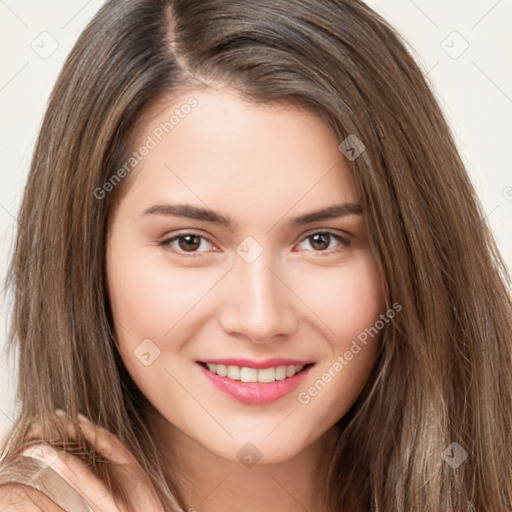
216	256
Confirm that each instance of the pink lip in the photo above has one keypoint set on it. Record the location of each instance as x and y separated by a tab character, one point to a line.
256	393
267	363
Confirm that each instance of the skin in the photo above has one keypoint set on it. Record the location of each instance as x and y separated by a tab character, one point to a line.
23	498
305	298
260	165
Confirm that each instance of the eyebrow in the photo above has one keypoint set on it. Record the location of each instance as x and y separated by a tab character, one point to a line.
206	215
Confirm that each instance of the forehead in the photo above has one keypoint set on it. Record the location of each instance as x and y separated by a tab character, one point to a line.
214	148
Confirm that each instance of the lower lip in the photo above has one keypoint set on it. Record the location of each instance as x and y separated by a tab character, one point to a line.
256	393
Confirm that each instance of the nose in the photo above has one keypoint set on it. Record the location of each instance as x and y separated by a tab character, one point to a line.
260	305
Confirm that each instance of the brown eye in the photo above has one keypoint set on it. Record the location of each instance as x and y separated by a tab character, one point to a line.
321	241
185	243
189	242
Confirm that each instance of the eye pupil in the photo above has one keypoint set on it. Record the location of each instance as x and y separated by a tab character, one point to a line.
317	240
189	247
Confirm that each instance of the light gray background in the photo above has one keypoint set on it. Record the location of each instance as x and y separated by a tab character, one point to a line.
473	84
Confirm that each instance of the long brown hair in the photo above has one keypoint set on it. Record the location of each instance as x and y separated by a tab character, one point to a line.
443	373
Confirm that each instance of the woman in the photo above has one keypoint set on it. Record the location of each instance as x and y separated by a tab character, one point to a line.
242	262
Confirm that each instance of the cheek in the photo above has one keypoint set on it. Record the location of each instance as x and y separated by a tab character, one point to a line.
147	303
156	310
352	309
149	297
346	300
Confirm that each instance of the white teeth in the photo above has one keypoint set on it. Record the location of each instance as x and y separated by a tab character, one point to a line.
267	375
248	374
281	373
233	372
264	375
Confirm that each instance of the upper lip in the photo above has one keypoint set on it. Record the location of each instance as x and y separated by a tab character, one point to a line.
249	363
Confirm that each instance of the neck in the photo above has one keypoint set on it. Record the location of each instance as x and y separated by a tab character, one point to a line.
207	482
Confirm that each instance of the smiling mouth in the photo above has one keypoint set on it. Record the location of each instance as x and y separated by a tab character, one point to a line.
260	375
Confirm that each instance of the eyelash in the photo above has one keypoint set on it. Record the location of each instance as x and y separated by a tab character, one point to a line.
344	242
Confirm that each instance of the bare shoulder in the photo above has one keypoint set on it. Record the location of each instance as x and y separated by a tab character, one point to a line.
16	497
